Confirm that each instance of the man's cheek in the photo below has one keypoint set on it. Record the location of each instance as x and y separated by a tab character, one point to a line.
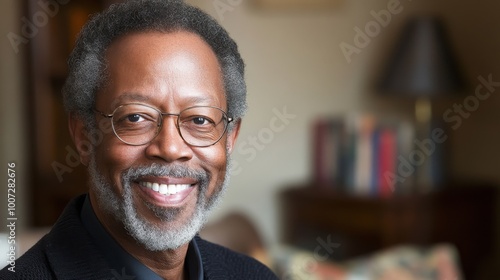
120	155
214	156
114	160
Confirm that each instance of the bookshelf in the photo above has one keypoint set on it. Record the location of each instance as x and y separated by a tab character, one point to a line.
458	214
369	155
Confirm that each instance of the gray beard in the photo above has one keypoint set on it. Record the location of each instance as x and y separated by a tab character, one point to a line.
151	236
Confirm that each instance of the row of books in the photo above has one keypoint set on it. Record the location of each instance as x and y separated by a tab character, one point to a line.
364	155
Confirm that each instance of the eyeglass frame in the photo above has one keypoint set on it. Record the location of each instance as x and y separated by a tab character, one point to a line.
160	123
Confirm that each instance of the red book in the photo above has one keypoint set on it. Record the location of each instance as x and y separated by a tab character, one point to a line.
387	161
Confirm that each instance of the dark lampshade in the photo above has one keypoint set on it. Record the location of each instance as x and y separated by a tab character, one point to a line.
422	64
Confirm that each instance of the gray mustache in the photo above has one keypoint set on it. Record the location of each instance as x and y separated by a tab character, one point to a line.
157	170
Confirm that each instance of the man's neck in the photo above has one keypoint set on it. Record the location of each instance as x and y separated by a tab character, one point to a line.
168	264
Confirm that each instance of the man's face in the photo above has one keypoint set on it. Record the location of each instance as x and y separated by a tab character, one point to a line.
171	72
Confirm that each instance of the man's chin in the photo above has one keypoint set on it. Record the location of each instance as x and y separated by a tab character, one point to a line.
165	216
159	228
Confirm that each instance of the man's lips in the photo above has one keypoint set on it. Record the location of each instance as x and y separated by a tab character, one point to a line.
164	188
167	191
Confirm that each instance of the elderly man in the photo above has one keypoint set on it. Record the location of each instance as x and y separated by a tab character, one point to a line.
162	84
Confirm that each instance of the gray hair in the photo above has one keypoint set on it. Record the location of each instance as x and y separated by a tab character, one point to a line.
87	64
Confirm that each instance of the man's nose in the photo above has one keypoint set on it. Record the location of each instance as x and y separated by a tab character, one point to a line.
168	144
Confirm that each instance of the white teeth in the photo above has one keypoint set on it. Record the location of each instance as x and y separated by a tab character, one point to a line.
172	189
165	189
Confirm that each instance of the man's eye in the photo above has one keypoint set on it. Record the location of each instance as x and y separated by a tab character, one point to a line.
200	121
134	118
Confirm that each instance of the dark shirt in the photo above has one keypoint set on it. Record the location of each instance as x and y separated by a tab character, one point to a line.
124	264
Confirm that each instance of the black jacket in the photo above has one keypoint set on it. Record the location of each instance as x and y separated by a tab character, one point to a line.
67	252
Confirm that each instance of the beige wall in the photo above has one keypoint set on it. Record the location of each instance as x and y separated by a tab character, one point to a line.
294	62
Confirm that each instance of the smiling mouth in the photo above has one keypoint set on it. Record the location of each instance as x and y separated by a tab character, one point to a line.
165	189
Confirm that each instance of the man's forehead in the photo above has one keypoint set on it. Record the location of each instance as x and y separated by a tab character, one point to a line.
152	47
146	66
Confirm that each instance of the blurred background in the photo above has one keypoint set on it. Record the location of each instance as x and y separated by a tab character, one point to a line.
371	124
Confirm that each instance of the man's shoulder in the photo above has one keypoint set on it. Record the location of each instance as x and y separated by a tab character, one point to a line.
31	265
35	263
220	262
65	251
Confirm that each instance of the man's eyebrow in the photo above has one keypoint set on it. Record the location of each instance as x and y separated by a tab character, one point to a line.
194	100
133	96
200	99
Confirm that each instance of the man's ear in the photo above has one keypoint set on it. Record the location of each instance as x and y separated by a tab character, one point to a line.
79	133
232	135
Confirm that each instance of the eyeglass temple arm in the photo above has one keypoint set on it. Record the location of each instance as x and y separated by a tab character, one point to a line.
103	114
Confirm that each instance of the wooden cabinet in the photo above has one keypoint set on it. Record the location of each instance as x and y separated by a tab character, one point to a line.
458	215
56	175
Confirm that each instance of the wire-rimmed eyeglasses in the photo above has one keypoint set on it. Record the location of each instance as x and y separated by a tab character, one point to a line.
138	124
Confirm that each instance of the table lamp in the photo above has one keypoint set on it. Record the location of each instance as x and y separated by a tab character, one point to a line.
422	66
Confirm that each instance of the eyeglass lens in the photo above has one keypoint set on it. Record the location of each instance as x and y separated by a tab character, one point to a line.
138	124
